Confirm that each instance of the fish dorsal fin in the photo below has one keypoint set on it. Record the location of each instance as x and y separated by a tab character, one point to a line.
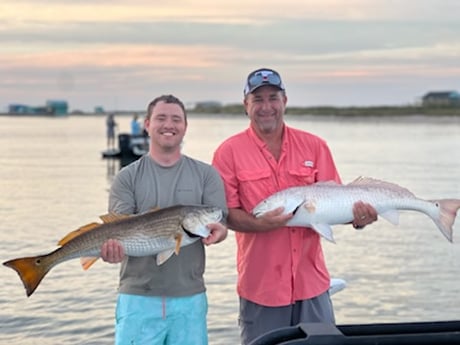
153	209
87	262
375	183
365	181
71	235
326	183
112	217
107	218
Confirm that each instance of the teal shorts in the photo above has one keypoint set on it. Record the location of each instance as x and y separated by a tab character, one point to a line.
144	320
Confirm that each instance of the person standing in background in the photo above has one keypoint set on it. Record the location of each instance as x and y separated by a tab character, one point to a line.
135	126
282	274
111	125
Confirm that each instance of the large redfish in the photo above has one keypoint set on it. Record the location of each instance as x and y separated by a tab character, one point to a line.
320	205
160	232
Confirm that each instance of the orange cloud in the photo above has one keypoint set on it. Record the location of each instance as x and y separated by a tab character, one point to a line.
120	55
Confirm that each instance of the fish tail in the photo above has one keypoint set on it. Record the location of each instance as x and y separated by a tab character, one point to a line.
447	213
31	270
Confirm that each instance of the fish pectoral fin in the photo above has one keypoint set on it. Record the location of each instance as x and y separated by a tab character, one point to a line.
113	217
391	215
325	230
71	235
178	239
87	262
163	256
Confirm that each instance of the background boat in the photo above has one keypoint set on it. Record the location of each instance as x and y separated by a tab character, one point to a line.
129	146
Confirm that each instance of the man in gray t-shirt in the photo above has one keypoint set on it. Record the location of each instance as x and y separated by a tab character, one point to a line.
166	303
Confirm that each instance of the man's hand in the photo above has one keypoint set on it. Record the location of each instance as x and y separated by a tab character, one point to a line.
218	233
274	219
364	214
112	251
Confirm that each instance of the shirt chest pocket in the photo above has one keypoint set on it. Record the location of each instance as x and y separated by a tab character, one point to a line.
252	182
302	176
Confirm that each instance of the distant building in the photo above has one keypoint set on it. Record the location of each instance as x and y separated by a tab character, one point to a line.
55	107
441	98
52	107
19	109
99	109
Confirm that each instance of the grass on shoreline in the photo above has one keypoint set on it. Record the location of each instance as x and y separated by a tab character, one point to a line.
343	111
238	109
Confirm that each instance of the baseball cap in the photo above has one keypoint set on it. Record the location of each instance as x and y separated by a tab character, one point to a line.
261	77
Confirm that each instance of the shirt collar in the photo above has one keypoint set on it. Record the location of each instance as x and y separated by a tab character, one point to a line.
260	143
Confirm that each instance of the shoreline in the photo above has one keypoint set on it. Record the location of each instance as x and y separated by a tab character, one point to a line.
416	110
237	109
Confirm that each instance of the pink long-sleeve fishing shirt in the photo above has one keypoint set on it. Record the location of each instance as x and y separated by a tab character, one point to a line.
279	267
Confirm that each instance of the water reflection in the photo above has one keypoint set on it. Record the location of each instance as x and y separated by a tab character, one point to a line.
114	164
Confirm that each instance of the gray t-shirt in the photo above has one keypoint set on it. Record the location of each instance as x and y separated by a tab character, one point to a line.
144	185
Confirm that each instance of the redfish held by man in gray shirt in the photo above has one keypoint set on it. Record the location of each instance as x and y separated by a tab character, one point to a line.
161	232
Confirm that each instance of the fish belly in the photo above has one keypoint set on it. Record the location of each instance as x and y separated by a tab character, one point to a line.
338	211
153	246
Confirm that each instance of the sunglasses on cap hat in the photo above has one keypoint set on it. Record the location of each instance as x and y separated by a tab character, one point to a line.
262	77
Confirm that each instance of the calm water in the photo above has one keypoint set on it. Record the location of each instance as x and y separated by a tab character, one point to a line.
53	180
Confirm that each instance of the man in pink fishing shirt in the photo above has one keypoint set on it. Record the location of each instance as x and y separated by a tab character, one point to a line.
282	274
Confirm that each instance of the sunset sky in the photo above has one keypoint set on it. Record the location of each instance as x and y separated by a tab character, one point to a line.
120	54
